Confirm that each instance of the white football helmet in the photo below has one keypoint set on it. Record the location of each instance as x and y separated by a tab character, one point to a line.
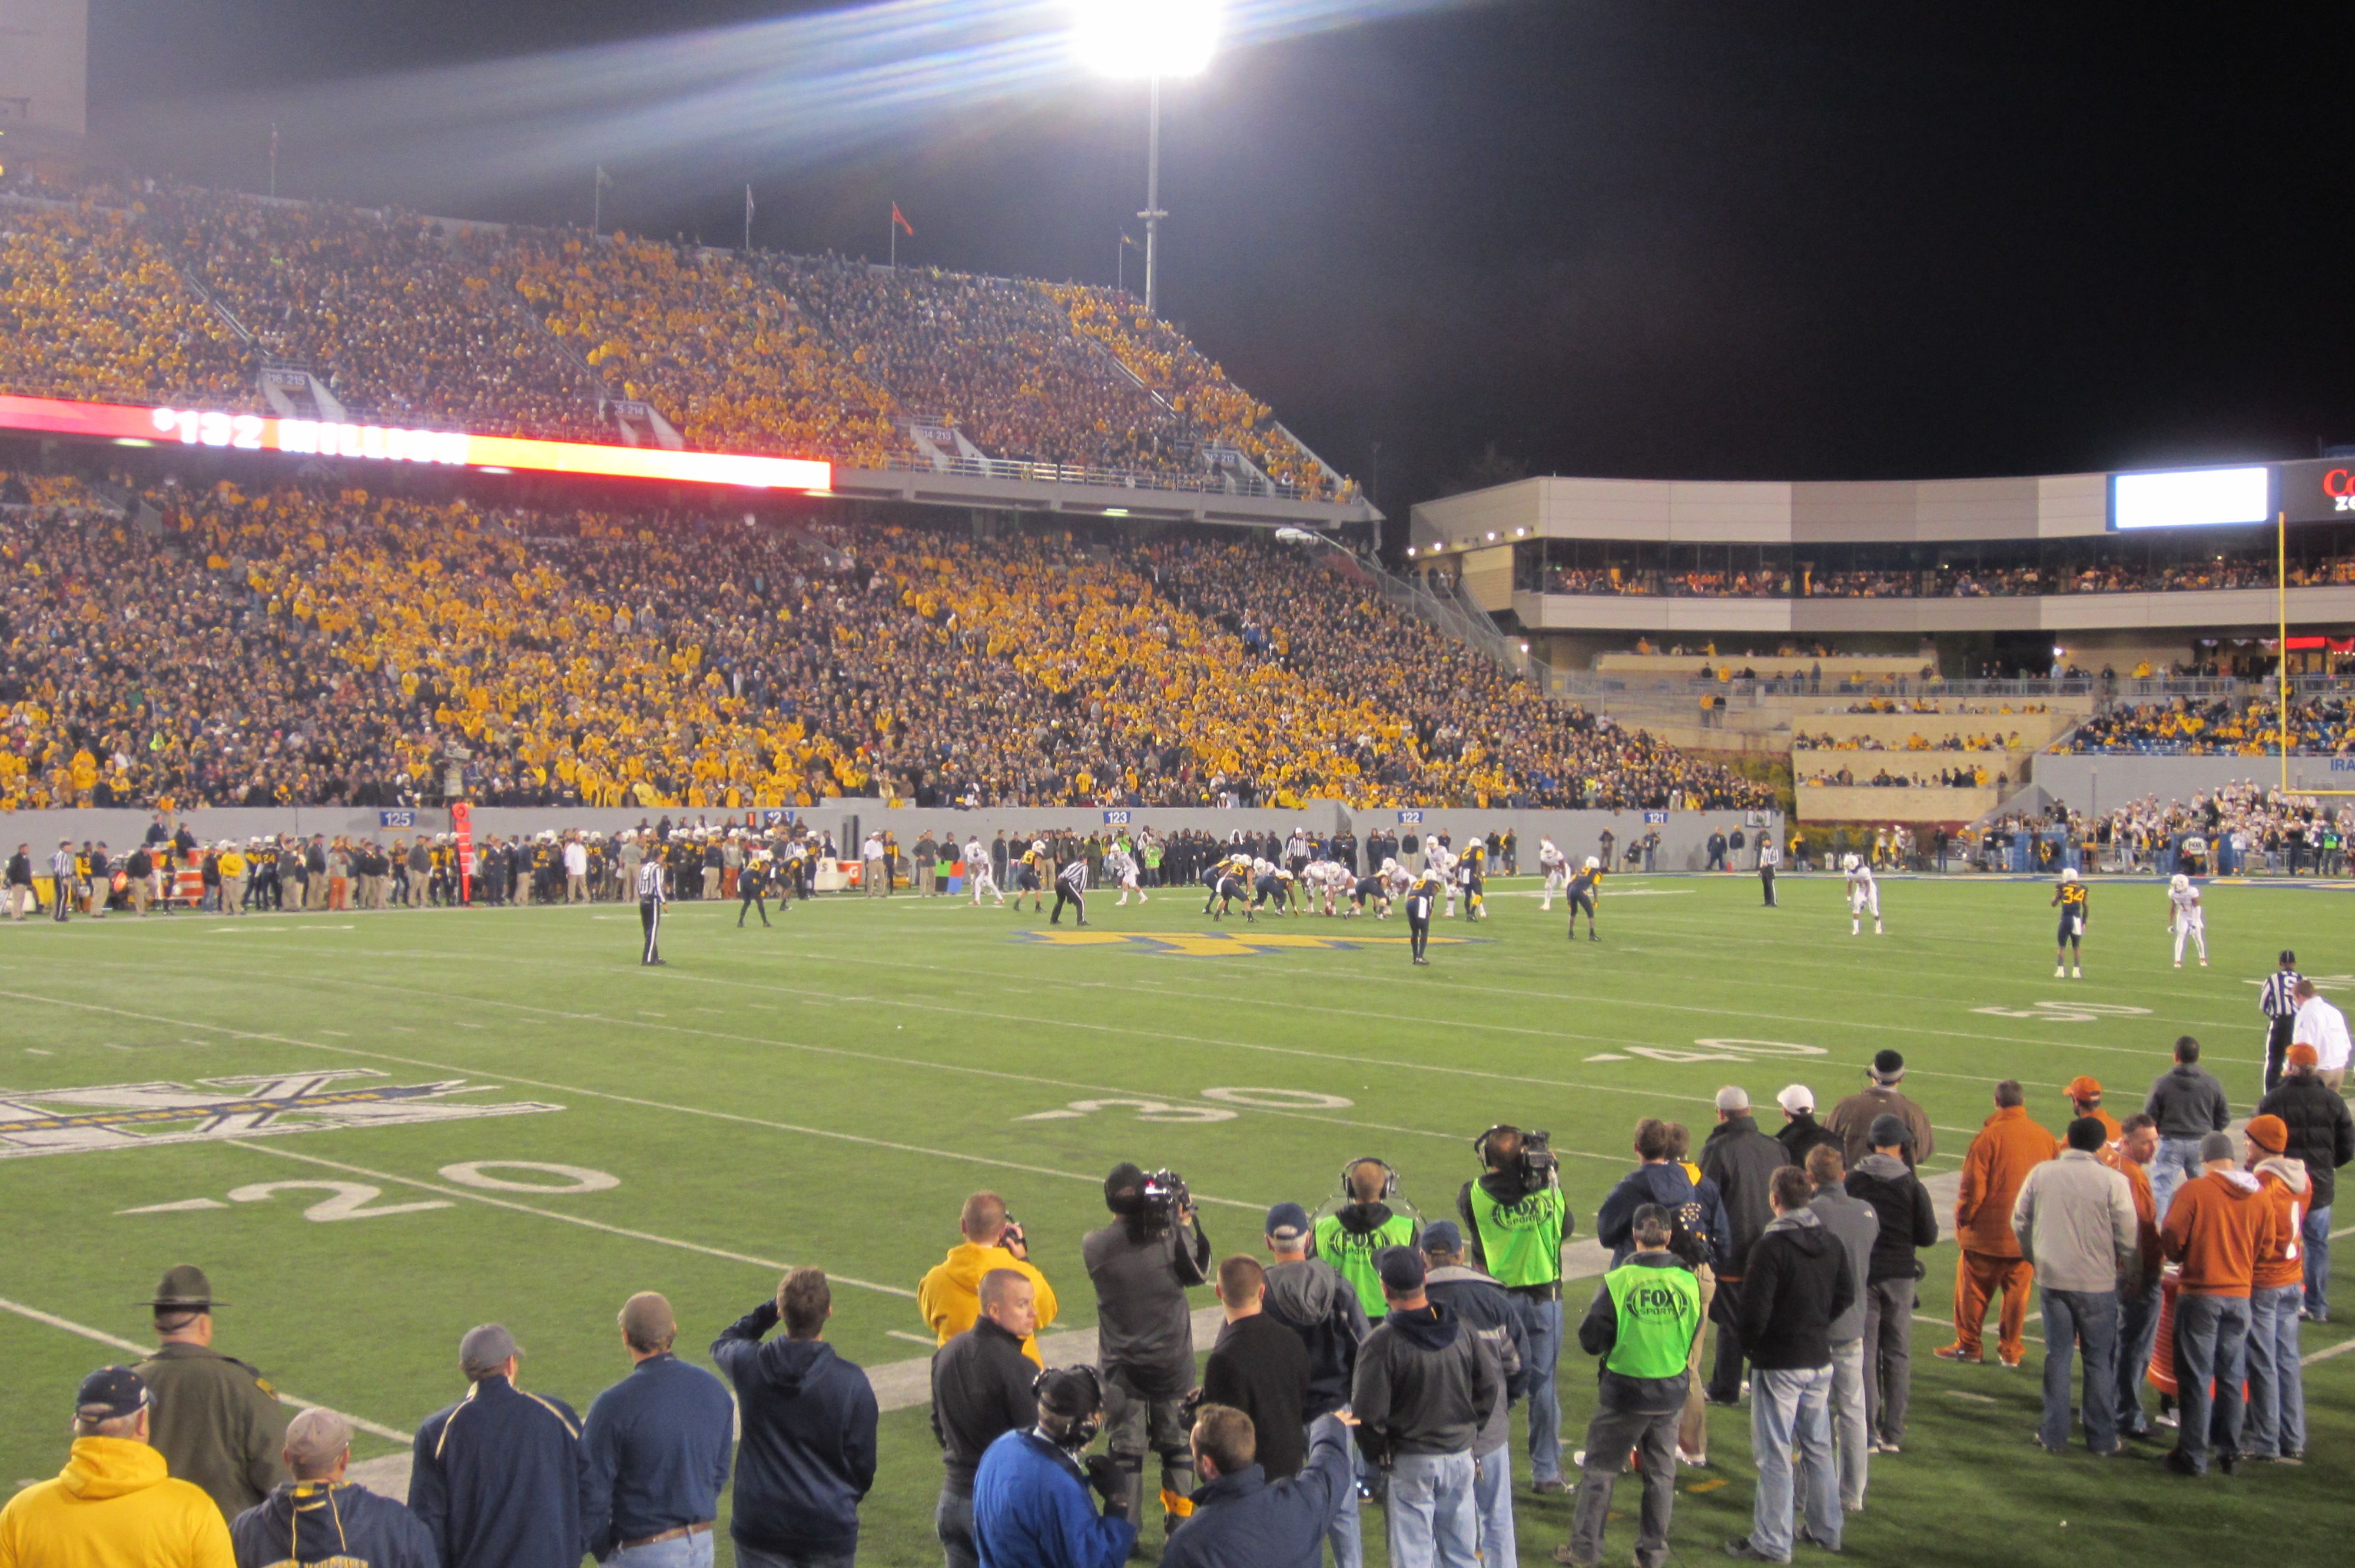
2180	883
2068	874
1593	864
1849	862
1388	866
1038	846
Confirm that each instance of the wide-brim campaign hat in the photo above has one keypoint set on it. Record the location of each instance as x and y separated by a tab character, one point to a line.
186	1288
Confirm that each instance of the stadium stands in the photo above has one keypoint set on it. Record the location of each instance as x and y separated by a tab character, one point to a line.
2227	726
2248	569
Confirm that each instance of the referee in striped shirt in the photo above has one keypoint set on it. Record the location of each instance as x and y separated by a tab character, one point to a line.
1071	887
2278	1002
650	907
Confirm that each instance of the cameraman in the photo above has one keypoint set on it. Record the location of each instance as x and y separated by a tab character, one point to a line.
949	1295
1142	1264
1031	1505
1515	1219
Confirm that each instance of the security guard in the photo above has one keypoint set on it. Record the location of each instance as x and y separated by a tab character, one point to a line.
217	1422
1515	1219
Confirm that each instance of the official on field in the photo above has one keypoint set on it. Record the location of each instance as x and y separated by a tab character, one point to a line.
650	908
500	1480
2278	1002
216	1421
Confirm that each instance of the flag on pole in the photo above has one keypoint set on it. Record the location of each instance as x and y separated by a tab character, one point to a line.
901	221
748	204
604	180
1124	240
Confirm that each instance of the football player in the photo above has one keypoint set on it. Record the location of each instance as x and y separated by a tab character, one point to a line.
1556	866
2185	918
2070	899
1863	894
1582	896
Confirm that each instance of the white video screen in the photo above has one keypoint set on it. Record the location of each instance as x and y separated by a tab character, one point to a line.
2191	497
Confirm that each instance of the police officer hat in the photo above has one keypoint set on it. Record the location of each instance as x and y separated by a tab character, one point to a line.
184	1288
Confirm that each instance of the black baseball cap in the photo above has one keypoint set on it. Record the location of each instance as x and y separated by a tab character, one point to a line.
110	1393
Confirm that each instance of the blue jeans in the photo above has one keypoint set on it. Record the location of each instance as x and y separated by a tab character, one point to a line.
1492	1500
1431	1517
2276	1384
2137	1332
752	1557
2316	1227
2211	1344
1545	1405
2086	1319
1341	1534
952	1522
1791	1409
687	1552
2177	1162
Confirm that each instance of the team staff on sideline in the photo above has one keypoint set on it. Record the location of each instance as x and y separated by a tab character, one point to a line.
1515	1221
115	1504
982	1389
1424	1386
2322	1138
651	899
2278	1001
217	1421
1642	1323
948	1297
658	1444
2188	1104
2007	1148
2074	1218
807	1454
1907	1222
319	1517
499	1479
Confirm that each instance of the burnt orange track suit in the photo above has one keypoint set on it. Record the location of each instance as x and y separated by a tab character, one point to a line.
2006	1149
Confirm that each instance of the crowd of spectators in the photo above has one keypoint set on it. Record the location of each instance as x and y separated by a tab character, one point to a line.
2224	727
1972	778
319	645
1995	740
2253	568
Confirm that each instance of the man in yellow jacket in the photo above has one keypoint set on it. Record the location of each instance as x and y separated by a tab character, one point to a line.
950	1296
114	1505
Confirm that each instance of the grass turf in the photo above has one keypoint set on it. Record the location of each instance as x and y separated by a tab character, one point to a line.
828	1091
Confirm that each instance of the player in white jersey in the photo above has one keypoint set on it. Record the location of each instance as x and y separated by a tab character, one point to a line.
1438	858
977	874
1556	866
1123	866
1863	894
2186	918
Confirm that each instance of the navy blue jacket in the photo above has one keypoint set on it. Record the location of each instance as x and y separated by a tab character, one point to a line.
499	1481
1244	1520
1310	1297
312	1521
659	1441
1032	1509
807	1453
1667	1185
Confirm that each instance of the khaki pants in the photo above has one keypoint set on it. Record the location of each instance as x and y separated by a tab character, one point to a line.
20	902
232	895
712	881
143	893
576	889
1692	1429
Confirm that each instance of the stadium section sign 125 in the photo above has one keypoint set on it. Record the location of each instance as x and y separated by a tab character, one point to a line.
383	443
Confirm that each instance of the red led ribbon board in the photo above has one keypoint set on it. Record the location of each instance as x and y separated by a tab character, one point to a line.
386	443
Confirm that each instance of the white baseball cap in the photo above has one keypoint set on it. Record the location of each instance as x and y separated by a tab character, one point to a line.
1796	1097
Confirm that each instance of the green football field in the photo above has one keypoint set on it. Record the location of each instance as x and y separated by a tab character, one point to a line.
503	1116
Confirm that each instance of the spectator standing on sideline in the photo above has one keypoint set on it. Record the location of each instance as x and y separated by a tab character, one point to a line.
1141	1265
1853	1119
658	1444
2074	1219
2217	1229
1741	1160
1515	1219
216	1421
2278	1001
1031	1505
1498	1317
1245	1518
2322	1138
320	1518
2084	1096
1800	1130
1769	860
1260	1368
1425	1387
1799	1281
807	1447
1704	1220
116	1503
499	1479
2324	1027
2276	1428
949	1295
2139	1289
2009	1146
1308	1296
1856	1225
2188	1104
981	1391
1908	1221
1642	1323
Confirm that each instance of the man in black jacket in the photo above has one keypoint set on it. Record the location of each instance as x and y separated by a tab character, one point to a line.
2188	1104
981	1390
807	1454
1741	1160
1425	1387
2321	1134
1909	1221
1503	1319
1260	1368
1308	1296
499	1479
1800	1130
1141	1265
1799	1279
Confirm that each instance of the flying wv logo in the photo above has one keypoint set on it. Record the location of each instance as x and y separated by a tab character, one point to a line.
120	1115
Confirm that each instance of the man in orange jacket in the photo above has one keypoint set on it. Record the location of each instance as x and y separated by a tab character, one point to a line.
2007	1148
2218	1225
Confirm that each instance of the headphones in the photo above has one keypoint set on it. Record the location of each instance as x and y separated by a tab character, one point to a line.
1390	1179
1083	1429
1480	1144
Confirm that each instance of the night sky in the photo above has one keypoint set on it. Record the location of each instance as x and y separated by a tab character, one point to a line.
1656	240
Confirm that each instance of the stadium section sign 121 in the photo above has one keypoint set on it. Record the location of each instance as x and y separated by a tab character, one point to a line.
123	422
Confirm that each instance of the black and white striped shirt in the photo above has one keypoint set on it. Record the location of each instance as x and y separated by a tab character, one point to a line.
2279	999
650	880
1074	875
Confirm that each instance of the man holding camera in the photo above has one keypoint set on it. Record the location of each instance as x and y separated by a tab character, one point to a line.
948	1297
1031	1505
1515	1219
1142	1265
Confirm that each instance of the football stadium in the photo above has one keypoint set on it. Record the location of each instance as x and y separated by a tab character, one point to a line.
701	902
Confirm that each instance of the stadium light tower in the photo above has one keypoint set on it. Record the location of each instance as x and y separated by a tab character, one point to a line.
1151	38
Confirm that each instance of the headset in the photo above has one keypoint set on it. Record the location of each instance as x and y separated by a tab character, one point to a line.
1390	1179
1084	1429
1480	1144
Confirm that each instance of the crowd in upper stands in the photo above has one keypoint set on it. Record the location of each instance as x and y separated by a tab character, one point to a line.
162	292
314	645
2250	569
1995	740
2232	726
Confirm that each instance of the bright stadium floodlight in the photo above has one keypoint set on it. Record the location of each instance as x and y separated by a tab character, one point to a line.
1151	38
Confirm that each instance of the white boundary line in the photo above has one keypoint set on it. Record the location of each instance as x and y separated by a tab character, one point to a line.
144	1352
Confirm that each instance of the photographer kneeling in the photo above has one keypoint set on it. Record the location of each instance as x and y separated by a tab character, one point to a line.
1142	1265
1515	1219
1030	1505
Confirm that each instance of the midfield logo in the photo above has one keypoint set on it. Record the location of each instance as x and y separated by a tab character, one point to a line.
119	1116
1244	943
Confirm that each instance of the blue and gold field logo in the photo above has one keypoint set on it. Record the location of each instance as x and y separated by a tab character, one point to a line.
1244	943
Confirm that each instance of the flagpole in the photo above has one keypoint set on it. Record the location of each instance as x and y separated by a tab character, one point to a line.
273	159
895	236
748	219
597	203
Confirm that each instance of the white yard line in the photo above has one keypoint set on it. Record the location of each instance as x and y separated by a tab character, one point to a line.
143	1351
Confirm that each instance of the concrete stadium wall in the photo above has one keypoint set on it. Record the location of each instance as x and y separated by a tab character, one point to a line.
2091	782
1865	803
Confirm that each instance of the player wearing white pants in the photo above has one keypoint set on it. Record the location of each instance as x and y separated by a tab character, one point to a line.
1863	894
2187	918
1123	866
977	874
1438	858
1557	871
